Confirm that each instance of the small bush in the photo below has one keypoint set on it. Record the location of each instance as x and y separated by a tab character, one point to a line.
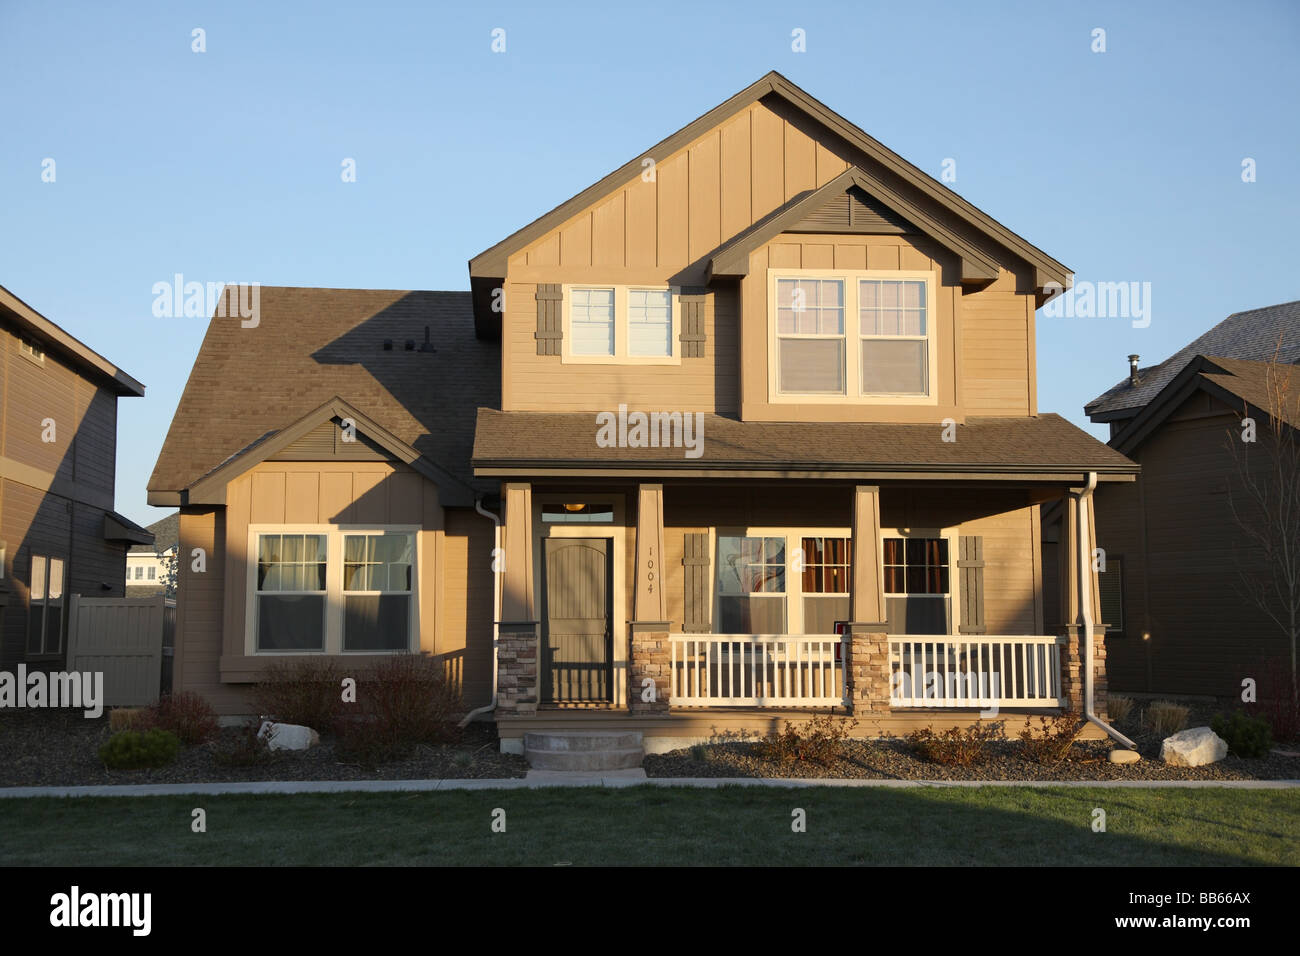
699	753
1119	708
305	690
404	702
133	749
187	715
1165	717
130	718
463	760
242	747
819	740
1246	736
1052	740
965	748
1278	703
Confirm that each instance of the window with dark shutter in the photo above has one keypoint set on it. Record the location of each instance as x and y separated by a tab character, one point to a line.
970	571
695	578
1110	588
692	305
550	299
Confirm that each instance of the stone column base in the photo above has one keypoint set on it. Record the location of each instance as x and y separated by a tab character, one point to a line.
517	643
868	679
649	668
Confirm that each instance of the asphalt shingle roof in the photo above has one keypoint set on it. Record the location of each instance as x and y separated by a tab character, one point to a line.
165	533
1251	335
311	345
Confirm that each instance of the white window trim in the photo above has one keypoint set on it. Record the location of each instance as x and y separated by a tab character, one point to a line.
948	534
852	340
794	593
621	356
334	593
61	602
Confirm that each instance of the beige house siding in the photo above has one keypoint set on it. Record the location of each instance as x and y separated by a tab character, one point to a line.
464	636
199	612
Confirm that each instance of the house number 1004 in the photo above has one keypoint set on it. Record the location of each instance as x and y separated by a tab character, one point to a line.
650	570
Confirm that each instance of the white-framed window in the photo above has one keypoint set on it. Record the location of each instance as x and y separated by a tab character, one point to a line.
153	573
29	348
620	324
45	608
919	578
851	336
771	580
332	589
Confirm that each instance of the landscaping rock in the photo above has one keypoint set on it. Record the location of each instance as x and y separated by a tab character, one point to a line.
288	736
1194	747
1124	756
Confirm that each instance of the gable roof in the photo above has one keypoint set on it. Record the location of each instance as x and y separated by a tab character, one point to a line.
1046	445
52	338
316	351
1239	383
166	533
488	268
1252	335
731	260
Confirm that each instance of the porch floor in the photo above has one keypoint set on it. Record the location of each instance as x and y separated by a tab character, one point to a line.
681	728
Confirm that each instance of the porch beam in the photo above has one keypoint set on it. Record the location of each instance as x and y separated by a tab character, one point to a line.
650	605
517	597
867	604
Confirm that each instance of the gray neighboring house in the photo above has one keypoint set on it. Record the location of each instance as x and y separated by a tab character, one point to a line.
1177	622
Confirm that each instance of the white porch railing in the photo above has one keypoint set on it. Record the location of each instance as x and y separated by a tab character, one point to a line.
945	670
757	670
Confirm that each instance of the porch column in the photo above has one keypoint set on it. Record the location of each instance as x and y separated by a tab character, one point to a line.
867	658
867	599
1071	624
649	660
517	631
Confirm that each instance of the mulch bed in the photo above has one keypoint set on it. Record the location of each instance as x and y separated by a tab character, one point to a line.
61	748
891	759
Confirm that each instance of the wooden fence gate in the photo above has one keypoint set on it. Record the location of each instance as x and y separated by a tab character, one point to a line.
123	638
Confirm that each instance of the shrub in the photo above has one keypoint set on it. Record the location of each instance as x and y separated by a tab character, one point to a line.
404	702
964	748
1277	701
132	749
130	718
1119	708
1246	736
242	747
1165	717
1053	739
305	690
187	715
819	740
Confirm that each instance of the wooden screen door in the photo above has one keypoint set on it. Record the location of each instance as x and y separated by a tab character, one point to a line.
577	656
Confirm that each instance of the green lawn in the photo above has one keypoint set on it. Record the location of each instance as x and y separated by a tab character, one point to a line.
655	826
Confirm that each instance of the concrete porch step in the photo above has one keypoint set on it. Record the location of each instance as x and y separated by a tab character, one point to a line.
587	751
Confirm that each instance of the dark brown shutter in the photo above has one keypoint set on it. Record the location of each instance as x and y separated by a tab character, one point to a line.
692	301
695	577
970	571
550	326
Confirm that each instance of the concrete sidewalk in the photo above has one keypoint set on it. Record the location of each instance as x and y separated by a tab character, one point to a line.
539	781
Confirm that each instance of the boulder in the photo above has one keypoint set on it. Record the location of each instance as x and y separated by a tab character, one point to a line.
1124	756
287	736
1193	747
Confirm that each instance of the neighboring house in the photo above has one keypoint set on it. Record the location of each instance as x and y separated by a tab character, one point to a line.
148	565
59	534
839	354
1177	621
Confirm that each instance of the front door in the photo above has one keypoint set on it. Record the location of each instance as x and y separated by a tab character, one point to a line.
577	652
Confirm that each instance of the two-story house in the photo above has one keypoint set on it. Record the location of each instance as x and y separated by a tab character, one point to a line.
746	428
59	534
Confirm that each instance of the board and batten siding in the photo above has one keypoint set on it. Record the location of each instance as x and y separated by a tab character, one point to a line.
1182	555
464	638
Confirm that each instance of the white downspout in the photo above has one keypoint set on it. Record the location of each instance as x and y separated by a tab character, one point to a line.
1085	612
496	609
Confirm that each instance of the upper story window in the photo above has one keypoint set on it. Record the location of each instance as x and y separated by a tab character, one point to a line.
863	337
32	350
621	324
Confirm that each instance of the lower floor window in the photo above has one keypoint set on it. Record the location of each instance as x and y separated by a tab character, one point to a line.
336	590
45	617
918	581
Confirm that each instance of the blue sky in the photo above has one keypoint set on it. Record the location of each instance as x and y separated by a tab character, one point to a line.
1125	165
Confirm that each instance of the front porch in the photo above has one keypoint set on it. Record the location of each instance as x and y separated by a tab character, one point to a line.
844	598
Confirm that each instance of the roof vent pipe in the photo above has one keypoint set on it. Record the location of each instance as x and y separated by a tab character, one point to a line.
1133	370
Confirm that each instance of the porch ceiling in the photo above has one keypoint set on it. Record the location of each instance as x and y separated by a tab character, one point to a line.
1045	447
